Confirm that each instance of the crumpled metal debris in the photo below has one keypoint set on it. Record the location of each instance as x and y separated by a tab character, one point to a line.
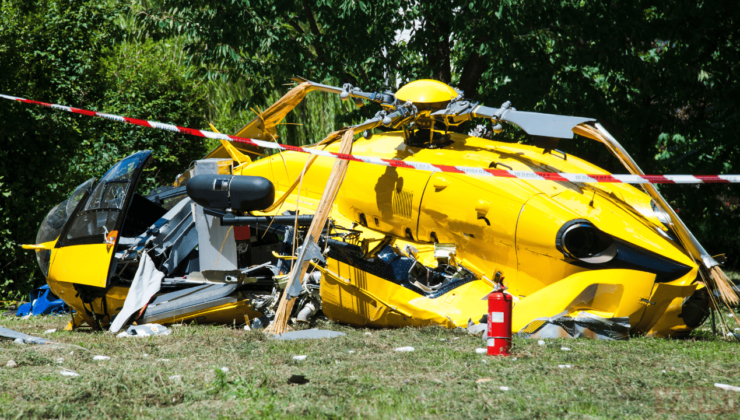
583	324
146	283
22	338
476	329
145	330
727	387
313	333
69	373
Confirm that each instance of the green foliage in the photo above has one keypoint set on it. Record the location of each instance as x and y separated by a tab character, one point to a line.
147	81
66	52
49	51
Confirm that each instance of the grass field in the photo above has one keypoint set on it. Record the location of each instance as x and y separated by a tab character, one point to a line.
179	376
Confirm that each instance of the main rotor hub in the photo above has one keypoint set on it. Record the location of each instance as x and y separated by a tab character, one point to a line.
432	93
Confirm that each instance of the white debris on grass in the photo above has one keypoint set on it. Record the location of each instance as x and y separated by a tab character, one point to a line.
247	328
225	369
456	338
481	351
101	358
60	360
442	339
146	355
541	342
49	331
351	352
663	371
728	387
409	348
71	353
368	333
503	388
11	364
565	348
564	366
163	360
514	359
300	357
69	373
145	330
19	341
175	378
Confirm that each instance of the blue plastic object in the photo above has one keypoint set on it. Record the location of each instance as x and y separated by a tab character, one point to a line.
43	302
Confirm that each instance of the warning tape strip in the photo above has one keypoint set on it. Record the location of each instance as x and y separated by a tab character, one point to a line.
500	173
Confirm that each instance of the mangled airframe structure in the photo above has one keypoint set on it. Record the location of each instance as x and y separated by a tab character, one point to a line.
400	246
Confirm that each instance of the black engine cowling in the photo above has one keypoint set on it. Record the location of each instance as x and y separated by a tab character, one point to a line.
235	192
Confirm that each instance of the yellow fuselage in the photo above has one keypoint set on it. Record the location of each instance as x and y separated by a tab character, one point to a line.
497	224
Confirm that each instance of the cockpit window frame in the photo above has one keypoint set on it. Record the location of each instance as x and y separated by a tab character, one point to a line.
112	176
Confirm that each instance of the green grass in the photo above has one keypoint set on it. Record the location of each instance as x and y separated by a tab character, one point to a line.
438	380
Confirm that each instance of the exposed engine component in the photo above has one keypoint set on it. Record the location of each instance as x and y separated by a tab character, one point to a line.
228	192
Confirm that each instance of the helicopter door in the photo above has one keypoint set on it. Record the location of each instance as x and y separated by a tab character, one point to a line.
87	243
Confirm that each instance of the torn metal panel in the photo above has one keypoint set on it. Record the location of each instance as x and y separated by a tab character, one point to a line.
160	230
216	243
146	284
309	251
313	333
189	300
215	276
582	325
15	335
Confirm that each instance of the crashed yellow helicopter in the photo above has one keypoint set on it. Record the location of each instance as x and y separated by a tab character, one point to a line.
402	247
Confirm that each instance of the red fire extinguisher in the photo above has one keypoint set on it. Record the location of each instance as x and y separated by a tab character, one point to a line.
499	321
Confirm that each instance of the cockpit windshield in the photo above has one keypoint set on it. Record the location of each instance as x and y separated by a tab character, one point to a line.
55	220
102	210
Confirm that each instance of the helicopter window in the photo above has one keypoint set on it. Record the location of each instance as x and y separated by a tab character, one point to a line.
95	223
101	212
55	220
109	195
58	216
94	201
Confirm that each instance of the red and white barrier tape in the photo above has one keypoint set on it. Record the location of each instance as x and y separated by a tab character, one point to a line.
528	175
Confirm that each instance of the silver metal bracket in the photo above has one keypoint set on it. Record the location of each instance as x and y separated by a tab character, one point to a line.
308	251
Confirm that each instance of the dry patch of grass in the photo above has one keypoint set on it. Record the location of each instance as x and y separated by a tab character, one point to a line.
437	380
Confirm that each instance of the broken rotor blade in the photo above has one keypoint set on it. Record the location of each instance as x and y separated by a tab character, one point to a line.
348	91
533	123
318	86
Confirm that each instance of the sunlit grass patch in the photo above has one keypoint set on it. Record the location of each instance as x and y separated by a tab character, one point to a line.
181	376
